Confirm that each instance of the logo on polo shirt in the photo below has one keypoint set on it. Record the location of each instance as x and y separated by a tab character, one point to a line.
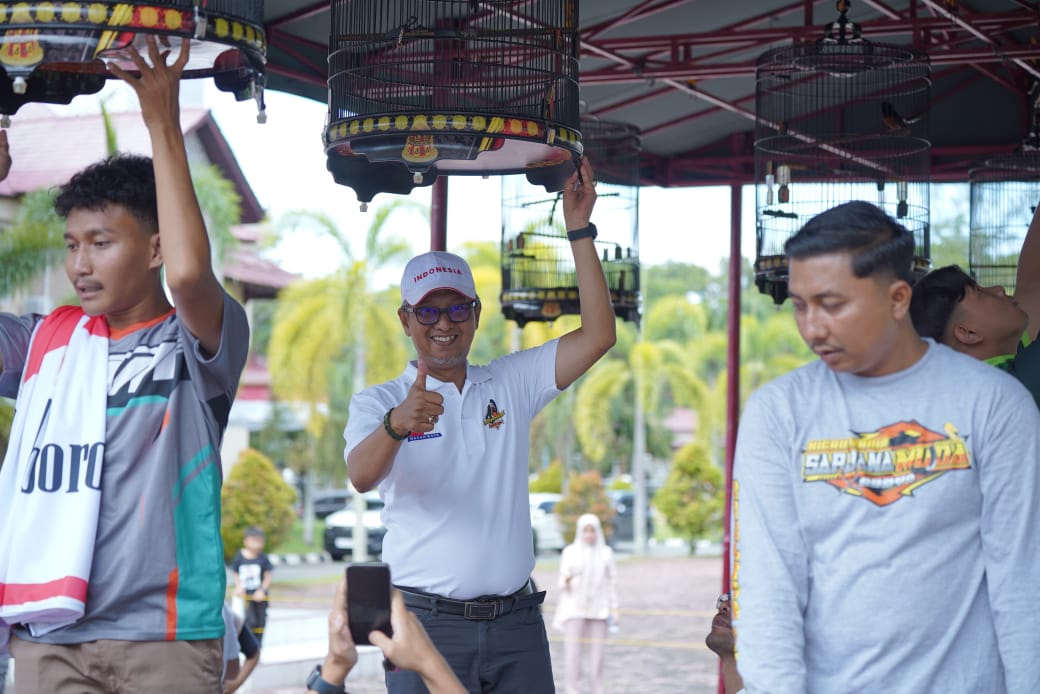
493	417
420	436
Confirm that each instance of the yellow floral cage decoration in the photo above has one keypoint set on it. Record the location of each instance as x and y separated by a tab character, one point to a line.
422	88
51	52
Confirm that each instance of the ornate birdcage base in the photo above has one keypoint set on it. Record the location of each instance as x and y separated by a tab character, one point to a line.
546	305
395	153
771	275
539	282
52	52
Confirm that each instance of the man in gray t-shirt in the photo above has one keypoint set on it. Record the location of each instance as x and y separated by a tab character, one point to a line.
152	616
885	496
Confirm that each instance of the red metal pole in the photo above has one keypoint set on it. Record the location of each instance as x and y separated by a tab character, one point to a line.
732	376
732	367
439	214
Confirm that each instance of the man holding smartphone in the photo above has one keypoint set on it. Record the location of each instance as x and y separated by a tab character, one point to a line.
454	477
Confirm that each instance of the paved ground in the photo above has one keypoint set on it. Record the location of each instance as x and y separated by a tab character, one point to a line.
666	608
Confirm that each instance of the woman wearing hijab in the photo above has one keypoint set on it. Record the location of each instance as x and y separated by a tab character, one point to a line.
587	600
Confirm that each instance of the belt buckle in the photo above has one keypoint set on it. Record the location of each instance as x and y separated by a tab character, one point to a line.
481	610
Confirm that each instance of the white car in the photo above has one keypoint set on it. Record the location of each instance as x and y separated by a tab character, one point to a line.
339	528
545	525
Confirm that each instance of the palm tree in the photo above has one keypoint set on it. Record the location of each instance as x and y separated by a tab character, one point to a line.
651	371
322	325
32	243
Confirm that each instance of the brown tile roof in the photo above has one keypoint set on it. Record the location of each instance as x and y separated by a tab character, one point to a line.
47	148
243	265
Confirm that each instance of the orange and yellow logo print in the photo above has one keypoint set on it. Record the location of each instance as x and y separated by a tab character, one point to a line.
886	465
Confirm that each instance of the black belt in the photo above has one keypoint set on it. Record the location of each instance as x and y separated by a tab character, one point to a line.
485	607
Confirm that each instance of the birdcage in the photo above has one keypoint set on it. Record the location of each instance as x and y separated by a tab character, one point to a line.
1004	194
54	51
420	88
840	118
538	277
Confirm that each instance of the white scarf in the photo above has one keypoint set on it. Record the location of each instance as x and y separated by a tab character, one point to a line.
50	482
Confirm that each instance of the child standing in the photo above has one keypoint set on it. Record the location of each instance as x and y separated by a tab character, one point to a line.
252	574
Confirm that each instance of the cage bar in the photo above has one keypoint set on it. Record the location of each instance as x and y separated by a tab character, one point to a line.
1004	194
538	276
839	119
421	88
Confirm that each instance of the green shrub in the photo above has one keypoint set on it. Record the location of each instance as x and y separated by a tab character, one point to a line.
549	480
621	484
691	499
255	494
585	494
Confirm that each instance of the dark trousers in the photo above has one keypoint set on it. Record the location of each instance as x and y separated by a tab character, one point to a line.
508	655
256	618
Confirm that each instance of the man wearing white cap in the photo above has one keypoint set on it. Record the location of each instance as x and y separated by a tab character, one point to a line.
447	444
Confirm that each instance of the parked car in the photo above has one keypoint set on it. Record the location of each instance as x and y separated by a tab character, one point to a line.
545	524
624	511
327	501
339	528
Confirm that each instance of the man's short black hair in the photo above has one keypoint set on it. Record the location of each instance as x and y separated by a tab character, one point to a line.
121	179
253	531
935	297
877	243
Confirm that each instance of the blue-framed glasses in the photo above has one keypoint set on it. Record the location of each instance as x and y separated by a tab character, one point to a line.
429	315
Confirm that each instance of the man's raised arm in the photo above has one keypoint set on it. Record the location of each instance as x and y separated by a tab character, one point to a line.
183	241
1027	279
581	348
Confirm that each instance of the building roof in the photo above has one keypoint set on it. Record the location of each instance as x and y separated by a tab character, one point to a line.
260	278
48	148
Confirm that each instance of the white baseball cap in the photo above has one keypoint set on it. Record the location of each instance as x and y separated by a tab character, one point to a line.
434	271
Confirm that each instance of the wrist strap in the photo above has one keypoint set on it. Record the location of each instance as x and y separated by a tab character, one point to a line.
582	233
389	429
316	683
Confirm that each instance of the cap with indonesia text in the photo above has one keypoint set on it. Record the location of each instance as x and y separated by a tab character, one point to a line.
436	271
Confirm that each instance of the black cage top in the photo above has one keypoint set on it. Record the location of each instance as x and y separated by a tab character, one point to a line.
419	88
54	51
840	118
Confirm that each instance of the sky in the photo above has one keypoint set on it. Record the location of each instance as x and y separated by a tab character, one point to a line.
284	162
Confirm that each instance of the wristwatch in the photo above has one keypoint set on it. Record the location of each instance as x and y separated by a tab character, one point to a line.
582	233
316	684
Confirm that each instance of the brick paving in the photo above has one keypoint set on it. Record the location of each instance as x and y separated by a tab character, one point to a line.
666	608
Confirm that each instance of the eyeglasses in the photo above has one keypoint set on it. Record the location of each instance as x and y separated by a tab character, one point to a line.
429	315
722	601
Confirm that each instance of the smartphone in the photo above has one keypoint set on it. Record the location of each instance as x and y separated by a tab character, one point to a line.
368	600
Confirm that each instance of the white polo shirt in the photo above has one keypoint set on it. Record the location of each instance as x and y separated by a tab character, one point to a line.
456	508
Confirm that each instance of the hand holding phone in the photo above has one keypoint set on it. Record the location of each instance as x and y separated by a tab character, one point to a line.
368	600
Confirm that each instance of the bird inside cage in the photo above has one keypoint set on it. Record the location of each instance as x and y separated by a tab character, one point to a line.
783	178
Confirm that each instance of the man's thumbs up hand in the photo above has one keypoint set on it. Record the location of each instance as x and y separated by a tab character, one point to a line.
421	409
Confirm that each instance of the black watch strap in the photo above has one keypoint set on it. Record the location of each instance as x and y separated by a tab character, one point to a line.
316	684
582	233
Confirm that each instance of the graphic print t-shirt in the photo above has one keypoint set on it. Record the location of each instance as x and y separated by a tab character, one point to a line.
158	569
251	571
